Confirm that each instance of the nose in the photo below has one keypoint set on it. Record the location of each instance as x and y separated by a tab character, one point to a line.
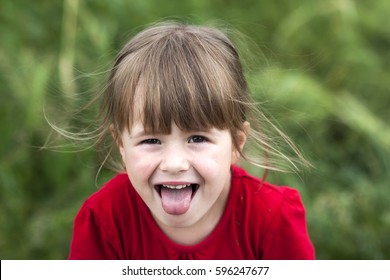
174	160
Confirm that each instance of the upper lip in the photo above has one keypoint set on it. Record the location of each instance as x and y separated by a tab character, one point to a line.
175	183
181	186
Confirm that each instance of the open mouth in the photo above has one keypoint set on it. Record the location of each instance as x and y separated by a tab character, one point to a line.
193	187
176	199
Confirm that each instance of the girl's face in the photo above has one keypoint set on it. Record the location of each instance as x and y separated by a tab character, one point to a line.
183	177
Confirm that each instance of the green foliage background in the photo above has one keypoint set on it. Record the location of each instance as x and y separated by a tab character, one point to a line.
325	79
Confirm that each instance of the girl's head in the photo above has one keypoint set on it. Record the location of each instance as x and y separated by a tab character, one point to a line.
187	75
192	77
176	104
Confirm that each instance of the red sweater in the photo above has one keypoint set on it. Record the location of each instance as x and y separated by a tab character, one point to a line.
261	221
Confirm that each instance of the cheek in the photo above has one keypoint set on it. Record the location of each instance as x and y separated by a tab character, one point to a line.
216	164
138	165
136	160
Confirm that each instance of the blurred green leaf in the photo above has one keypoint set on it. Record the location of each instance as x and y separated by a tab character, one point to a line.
321	69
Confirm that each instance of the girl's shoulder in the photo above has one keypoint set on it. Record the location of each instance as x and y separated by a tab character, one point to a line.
263	196
273	215
117	189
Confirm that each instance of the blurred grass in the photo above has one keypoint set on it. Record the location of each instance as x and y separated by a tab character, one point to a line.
325	79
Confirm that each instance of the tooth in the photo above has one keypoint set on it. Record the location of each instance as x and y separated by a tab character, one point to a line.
178	187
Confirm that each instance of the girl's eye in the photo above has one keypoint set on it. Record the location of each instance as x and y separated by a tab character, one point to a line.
197	139
152	141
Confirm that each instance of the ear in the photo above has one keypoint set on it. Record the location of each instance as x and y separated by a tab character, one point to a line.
241	137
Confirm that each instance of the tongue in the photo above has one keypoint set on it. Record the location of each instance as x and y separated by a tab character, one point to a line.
176	202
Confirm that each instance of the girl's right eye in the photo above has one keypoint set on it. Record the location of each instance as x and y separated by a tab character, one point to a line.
151	141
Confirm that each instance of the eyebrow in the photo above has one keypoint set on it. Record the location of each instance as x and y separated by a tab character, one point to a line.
138	134
137	131
141	132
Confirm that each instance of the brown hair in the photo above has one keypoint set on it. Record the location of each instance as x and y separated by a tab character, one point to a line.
189	75
192	76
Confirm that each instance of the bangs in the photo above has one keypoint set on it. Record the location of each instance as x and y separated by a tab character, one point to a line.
183	79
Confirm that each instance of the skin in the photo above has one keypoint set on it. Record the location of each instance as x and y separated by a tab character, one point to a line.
197	157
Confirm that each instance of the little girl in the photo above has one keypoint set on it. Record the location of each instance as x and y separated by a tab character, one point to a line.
178	111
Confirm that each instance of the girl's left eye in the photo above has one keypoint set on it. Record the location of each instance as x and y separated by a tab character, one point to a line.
197	139
151	141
